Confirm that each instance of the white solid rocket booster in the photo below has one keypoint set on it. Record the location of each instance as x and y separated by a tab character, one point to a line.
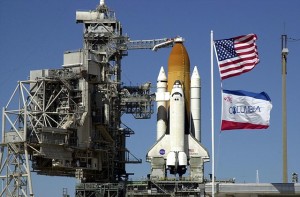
195	104
161	99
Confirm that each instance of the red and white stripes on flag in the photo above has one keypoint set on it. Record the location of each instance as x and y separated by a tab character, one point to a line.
236	55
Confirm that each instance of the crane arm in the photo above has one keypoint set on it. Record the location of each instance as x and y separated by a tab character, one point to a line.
154	44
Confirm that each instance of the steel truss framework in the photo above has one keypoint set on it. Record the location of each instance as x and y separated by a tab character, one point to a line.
15	169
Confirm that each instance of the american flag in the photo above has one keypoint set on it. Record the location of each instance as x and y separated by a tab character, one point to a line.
236	55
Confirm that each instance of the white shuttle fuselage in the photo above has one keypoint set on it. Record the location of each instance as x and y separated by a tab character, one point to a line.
176	158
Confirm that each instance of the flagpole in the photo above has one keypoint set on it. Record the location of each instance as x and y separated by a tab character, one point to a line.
212	114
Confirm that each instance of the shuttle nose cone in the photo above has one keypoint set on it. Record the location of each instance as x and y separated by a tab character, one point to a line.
177	82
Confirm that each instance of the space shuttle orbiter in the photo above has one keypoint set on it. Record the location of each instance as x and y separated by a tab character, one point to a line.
178	148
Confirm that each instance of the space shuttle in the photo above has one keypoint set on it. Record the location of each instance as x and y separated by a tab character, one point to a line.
178	150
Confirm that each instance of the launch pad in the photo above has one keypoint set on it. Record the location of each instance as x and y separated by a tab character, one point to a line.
68	122
142	188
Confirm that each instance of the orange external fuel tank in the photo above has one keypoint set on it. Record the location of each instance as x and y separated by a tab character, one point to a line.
179	69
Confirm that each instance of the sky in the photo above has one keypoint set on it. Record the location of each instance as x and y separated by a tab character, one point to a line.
34	35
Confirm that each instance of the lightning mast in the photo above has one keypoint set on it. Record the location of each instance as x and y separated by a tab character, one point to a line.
284	54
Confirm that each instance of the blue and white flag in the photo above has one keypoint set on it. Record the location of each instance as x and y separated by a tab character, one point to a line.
245	110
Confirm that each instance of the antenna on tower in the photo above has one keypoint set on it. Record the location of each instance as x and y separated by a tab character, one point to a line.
257	177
